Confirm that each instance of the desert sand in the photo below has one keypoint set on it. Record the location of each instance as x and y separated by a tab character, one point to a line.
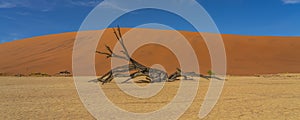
252	97
246	55
248	94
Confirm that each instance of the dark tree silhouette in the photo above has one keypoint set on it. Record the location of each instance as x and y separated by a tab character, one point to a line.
138	69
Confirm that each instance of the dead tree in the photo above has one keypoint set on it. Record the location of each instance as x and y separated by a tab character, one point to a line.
138	69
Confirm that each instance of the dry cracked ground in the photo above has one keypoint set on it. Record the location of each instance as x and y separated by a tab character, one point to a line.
243	97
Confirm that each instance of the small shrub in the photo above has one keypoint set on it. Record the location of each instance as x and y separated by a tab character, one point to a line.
64	73
19	75
211	73
39	74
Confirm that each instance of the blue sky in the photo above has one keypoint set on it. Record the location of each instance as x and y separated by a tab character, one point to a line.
27	18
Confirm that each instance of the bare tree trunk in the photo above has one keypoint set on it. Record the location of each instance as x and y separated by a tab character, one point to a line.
153	75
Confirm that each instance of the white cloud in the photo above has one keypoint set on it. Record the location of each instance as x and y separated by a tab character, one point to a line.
47	5
8	17
23	13
14	3
7	5
112	5
9	36
86	3
291	1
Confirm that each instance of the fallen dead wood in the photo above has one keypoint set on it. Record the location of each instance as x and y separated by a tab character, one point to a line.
137	69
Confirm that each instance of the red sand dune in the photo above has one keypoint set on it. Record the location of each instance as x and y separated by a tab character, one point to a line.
246	55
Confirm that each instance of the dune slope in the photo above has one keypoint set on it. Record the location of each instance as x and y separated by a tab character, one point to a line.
246	55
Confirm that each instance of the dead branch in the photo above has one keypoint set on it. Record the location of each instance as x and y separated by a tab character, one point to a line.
153	75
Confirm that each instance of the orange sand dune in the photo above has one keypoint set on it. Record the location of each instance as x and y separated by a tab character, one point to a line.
246	55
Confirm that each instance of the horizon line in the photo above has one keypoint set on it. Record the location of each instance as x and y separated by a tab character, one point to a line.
246	35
